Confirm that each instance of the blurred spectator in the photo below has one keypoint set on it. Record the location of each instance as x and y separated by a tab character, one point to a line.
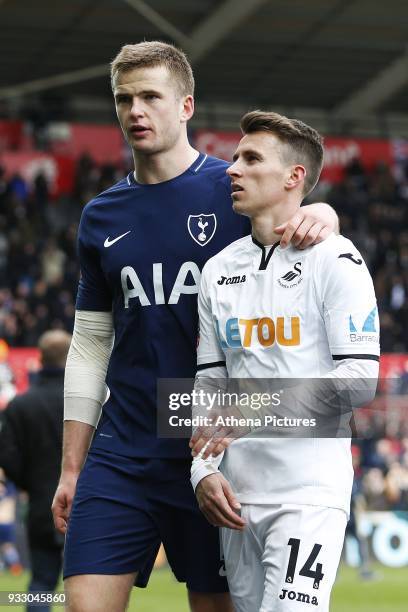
382	474
3	185
386	452
357	506
4	247
373	486
9	556
18	188
52	262
397	486
7	386
30	454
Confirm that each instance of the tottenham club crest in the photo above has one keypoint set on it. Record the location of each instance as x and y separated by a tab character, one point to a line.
202	228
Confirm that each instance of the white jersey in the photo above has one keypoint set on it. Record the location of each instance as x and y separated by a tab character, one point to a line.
272	312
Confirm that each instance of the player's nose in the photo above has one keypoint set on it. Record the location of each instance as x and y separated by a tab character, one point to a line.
136	109
234	170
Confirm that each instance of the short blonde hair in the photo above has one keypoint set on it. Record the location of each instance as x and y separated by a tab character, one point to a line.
54	346
152	53
304	144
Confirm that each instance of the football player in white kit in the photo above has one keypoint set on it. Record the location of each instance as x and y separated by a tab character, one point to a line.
267	312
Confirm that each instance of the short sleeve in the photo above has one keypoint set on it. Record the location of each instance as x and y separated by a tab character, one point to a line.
349	303
93	290
209	352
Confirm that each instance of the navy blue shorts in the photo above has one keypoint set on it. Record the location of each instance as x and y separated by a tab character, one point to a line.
124	508
7	533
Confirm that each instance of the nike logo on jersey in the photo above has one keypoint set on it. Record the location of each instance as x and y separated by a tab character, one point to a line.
108	242
351	258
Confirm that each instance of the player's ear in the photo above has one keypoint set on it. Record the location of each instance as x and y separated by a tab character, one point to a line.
297	175
187	109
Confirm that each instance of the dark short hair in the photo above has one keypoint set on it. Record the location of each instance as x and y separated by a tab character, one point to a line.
149	54
304	144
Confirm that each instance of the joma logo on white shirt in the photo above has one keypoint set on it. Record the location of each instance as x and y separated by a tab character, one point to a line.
133	288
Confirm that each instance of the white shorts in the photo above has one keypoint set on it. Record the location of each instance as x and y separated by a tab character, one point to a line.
286	559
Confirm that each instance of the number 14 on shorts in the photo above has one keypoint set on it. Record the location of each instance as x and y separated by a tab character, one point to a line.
307	570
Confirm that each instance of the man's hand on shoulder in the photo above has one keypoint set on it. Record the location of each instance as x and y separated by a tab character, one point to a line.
310	225
218	503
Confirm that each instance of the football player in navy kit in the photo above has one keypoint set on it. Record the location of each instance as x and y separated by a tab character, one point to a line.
142	245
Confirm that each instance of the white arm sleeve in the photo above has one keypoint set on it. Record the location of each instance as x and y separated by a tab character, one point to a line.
210	371
200	468
365	371
87	362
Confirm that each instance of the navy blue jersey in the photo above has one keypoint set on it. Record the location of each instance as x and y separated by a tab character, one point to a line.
141	249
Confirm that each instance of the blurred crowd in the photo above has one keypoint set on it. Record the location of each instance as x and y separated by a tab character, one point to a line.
381	474
373	211
38	263
39	270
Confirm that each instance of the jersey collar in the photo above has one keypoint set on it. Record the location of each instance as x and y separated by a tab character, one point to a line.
266	256
195	168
